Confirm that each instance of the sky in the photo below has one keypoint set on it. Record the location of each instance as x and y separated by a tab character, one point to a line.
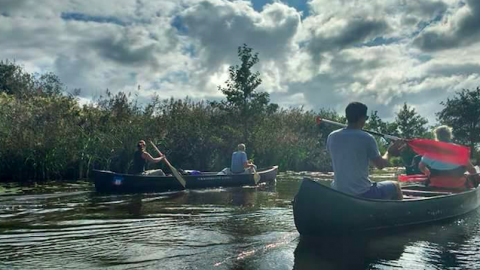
315	54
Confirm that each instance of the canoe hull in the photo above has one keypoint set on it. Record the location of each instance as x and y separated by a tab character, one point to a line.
107	181
319	209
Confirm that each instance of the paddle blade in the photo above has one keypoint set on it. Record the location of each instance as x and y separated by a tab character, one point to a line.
442	151
256	177
178	176
414	177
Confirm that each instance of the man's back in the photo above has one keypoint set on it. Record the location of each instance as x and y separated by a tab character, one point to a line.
351	150
238	159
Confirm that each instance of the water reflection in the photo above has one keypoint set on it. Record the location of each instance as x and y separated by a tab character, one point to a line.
331	253
70	226
446	245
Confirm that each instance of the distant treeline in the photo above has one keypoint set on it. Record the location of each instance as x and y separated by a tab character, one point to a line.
46	134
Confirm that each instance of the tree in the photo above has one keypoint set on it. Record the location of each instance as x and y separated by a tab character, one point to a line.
462	113
240	91
375	123
409	123
14	81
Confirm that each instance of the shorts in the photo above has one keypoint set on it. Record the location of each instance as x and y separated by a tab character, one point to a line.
385	190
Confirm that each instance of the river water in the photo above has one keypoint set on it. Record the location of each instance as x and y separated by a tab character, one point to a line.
68	226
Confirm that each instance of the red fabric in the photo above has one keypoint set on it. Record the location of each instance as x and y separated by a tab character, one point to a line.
441	151
448	181
414	177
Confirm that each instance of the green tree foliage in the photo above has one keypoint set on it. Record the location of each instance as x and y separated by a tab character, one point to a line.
14	81
46	134
462	113
375	123
409	123
191	132
243	101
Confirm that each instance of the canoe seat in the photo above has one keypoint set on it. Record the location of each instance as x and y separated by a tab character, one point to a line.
425	193
410	197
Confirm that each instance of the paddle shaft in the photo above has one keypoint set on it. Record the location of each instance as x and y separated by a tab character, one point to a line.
164	158
256	175
386	136
160	153
174	171
437	150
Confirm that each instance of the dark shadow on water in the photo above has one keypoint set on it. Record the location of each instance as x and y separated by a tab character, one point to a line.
438	245
332	253
134	206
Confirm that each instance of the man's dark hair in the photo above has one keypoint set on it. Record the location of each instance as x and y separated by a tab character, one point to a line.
355	111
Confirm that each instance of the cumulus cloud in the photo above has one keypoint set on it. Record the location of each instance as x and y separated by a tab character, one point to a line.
461	28
219	27
381	52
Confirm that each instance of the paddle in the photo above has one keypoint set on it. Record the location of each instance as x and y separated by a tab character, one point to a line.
256	176
421	177
390	137
413	177
442	151
177	175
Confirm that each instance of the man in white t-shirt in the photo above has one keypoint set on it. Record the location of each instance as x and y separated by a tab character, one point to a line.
351	150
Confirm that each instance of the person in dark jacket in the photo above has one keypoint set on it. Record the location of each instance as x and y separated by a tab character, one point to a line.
140	159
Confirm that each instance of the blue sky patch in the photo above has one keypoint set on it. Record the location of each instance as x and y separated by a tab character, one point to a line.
176	76
380	41
74	16
424	24
424	57
189	50
300	5
178	24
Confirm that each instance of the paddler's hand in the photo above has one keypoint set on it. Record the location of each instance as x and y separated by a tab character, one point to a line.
160	158
396	148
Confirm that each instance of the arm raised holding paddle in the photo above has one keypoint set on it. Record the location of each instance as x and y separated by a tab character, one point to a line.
446	160
351	150
443	151
140	158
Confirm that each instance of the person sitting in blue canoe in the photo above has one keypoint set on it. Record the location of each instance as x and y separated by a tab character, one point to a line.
140	158
351	150
240	163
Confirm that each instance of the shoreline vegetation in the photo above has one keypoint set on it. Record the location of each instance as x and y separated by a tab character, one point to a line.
46	134
77	185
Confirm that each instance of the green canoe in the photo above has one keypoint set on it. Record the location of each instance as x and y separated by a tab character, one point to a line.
319	209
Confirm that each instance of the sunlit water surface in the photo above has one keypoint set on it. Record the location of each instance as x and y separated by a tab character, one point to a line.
69	226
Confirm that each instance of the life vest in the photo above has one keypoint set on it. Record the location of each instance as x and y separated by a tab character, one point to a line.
454	179
449	181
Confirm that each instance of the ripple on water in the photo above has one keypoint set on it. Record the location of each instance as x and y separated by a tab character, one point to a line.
226	228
